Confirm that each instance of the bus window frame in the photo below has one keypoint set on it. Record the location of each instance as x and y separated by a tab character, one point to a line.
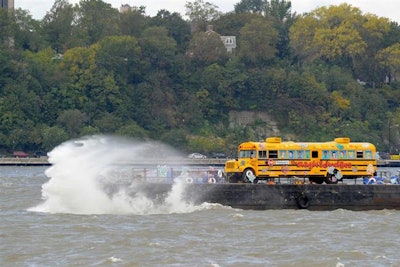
315	154
246	153
273	154
262	154
343	154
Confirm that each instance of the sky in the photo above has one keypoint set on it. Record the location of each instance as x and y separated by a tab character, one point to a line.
382	8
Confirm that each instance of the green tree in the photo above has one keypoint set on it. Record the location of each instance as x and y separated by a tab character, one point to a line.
95	20
258	41
58	25
280	11
389	58
27	32
6	26
251	6
329	33
133	22
178	28
78	70
107	122
72	121
120	56
207	48
201	13
231	23
53	136
158	47
133	130
374	32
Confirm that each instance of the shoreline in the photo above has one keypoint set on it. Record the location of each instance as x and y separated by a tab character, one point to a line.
43	161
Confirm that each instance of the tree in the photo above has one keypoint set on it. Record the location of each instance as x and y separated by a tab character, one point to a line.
329	33
201	13
121	57
258	41
27	32
132	129
107	123
7	66
231	23
280	11
53	136
178	28
206	48
374	31
6	26
95	20
342	35
78	70
158	47
58	25
72	121
251	6
133	22
390	58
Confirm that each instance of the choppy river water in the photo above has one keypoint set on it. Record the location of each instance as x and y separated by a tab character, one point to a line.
59	218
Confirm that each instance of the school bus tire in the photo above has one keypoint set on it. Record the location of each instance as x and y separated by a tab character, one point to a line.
246	174
303	202
233	178
328	179
316	180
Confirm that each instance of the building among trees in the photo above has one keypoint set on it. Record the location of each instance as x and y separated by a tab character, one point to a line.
7	4
228	41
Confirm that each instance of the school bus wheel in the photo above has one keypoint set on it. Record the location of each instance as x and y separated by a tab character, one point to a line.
248	175
234	178
331	179
316	180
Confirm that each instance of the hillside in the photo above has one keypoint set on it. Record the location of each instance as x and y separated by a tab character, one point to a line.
88	68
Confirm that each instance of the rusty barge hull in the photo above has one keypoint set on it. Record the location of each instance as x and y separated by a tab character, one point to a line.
285	196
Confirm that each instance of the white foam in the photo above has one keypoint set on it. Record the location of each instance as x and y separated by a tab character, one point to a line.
82	171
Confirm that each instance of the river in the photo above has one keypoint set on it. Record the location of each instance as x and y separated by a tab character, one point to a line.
59	217
184	235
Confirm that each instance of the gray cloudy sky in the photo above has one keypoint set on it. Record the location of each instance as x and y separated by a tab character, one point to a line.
382	8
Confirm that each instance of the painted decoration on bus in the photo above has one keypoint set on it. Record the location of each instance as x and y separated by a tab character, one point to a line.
320	161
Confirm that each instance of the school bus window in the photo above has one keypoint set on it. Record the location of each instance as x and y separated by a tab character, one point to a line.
360	154
300	154
350	154
262	154
282	154
307	154
314	154
247	153
368	154
273	154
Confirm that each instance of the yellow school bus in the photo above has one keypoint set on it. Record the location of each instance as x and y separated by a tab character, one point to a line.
320	162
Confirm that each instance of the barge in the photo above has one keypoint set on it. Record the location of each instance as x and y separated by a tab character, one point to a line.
316	175
282	196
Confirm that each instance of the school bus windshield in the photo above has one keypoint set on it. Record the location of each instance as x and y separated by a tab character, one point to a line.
247	153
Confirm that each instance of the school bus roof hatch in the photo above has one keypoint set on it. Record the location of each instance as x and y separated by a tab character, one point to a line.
273	140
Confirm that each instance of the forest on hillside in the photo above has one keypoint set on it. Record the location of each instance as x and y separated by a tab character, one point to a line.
88	68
